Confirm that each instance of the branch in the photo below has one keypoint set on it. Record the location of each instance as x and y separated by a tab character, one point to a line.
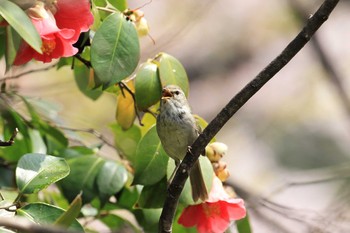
11	140
26	226
175	188
28	72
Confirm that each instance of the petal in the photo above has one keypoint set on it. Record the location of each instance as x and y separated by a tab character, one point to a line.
45	25
236	209
217	191
192	215
25	53
74	15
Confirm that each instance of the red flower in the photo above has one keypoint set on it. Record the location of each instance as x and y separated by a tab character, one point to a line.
59	27
215	214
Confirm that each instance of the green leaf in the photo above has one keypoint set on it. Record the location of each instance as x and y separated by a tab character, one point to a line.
117	220
171	71
111	179
148	89
243	225
82	177
148	219
54	138
207	172
151	160
115	50
35	172
13	41
121	5
10	121
38	145
16	17
42	213
2	41
84	77
153	196
126	140
75	151
73	211
148	120
128	197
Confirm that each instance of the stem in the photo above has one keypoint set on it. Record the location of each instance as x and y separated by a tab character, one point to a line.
175	188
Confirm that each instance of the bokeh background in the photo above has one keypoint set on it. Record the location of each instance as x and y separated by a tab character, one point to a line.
289	146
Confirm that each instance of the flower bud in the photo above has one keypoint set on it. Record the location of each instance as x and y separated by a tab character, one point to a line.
215	151
223	175
220	170
38	11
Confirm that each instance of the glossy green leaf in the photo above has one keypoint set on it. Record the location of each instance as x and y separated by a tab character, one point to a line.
35	172
148	120
126	112
202	125
115	50
19	20
117	220
68	217
243	225
128	197
84	77
148	219
121	5
208	176
148	89
38	145
11	120
151	160
153	196
76	151
2	41
42	213
53	137
171	71
110	179
126	140
84	171
13	41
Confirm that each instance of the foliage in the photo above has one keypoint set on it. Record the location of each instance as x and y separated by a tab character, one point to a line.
44	171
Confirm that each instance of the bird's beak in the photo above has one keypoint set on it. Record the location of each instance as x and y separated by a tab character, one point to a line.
166	94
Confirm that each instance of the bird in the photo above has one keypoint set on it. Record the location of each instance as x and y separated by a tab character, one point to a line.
177	130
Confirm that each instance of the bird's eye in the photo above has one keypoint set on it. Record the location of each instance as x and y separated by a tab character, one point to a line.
177	92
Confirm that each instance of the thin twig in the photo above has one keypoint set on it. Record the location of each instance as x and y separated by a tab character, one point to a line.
24	225
28	72
94	132
123	86
83	60
175	188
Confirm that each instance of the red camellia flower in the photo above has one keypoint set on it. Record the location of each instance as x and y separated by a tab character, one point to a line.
59	24
215	214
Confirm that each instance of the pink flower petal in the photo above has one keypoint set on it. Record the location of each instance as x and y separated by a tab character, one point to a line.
74	15
214	215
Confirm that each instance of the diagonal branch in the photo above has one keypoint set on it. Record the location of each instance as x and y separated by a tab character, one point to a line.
175	188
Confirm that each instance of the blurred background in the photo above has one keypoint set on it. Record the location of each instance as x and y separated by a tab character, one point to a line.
289	146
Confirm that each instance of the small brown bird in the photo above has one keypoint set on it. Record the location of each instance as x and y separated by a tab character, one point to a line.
177	130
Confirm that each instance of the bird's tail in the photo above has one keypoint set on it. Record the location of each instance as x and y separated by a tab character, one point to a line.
199	190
